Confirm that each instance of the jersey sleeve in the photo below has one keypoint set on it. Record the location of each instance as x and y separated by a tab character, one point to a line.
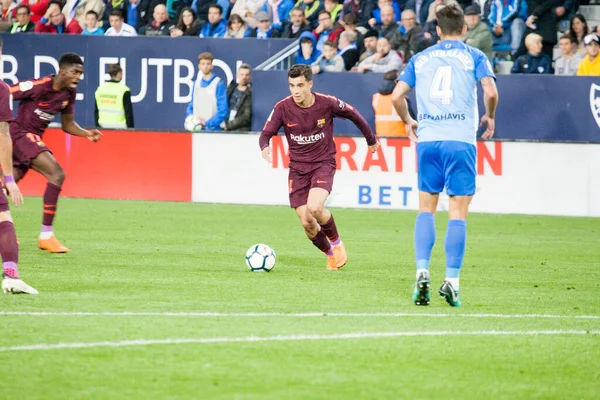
343	110
70	108
5	112
483	67
272	126
22	90
408	74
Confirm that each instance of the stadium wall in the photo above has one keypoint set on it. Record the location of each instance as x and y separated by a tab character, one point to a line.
513	177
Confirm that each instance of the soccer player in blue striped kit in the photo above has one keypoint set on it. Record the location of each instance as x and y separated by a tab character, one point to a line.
445	78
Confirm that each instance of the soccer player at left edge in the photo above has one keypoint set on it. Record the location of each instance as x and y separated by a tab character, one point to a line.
9	247
40	101
307	120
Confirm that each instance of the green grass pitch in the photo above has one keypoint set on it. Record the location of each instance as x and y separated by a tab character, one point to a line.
171	260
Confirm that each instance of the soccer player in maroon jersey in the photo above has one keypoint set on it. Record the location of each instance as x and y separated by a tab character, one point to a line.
307	120
40	101
9	247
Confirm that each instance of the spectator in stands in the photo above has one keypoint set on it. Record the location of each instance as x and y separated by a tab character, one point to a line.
55	22
236	28
563	9
429	35
122	5
590	65
348	49
279	11
478	34
370	44
578	30
542	20
77	9
23	24
263	29
307	52
433	7
362	9
334	8
7	15
384	60
420	8
209	104
216	26
387	121
569	59
137	14
376	14
247	9
202	7
323	30
297	24
113	108
534	62
329	61
239	96
311	8
92	25
409	42
388	28
37	8
187	25
507	23
160	26
349	22
117	26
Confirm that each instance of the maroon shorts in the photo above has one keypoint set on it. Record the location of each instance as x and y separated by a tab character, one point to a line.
300	182
25	149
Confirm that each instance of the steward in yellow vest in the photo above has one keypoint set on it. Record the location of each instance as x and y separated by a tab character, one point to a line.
387	121
113	102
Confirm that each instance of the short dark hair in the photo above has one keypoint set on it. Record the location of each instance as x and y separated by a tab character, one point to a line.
116	12
391	75
330	43
92	12
245	66
114	69
25	6
68	59
206	56
296	9
58	3
566	36
299	70
451	20
350	19
306	40
324	12
218	7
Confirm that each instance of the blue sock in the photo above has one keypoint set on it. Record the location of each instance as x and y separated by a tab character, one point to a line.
456	241
424	239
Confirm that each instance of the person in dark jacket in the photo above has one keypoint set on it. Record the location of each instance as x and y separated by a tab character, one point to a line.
296	25
264	29
542	20
239	95
534	62
187	25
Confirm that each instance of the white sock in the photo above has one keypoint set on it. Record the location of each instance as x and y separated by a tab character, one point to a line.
453	282
422	271
46	235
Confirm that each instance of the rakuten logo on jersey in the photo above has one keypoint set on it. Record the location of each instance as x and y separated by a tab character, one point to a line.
307	139
44	115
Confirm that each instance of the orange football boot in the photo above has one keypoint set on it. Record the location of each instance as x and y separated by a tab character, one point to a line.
52	245
340	256
331	263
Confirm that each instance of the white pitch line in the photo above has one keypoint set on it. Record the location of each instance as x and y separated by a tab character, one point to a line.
292	315
359	335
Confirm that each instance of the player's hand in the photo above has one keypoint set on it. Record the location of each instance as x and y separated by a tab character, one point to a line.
13	191
411	129
374	147
266	154
94	135
489	132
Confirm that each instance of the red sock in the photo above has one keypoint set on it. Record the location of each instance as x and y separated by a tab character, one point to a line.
321	242
50	201
331	231
9	249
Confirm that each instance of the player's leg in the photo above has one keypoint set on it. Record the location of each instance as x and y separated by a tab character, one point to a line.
431	183
46	164
9	250
315	233
316	208
460	159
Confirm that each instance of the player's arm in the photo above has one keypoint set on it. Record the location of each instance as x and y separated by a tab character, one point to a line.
345	110
6	164
272	126
22	90
406	82
72	128
490	100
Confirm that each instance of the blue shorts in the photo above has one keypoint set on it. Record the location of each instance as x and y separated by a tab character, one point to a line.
447	163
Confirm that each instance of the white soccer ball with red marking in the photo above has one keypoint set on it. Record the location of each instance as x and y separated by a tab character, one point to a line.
260	258
192	124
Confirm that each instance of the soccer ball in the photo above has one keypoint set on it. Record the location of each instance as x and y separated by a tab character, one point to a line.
192	124
260	258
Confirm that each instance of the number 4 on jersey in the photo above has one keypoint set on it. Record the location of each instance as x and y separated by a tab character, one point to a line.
441	87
